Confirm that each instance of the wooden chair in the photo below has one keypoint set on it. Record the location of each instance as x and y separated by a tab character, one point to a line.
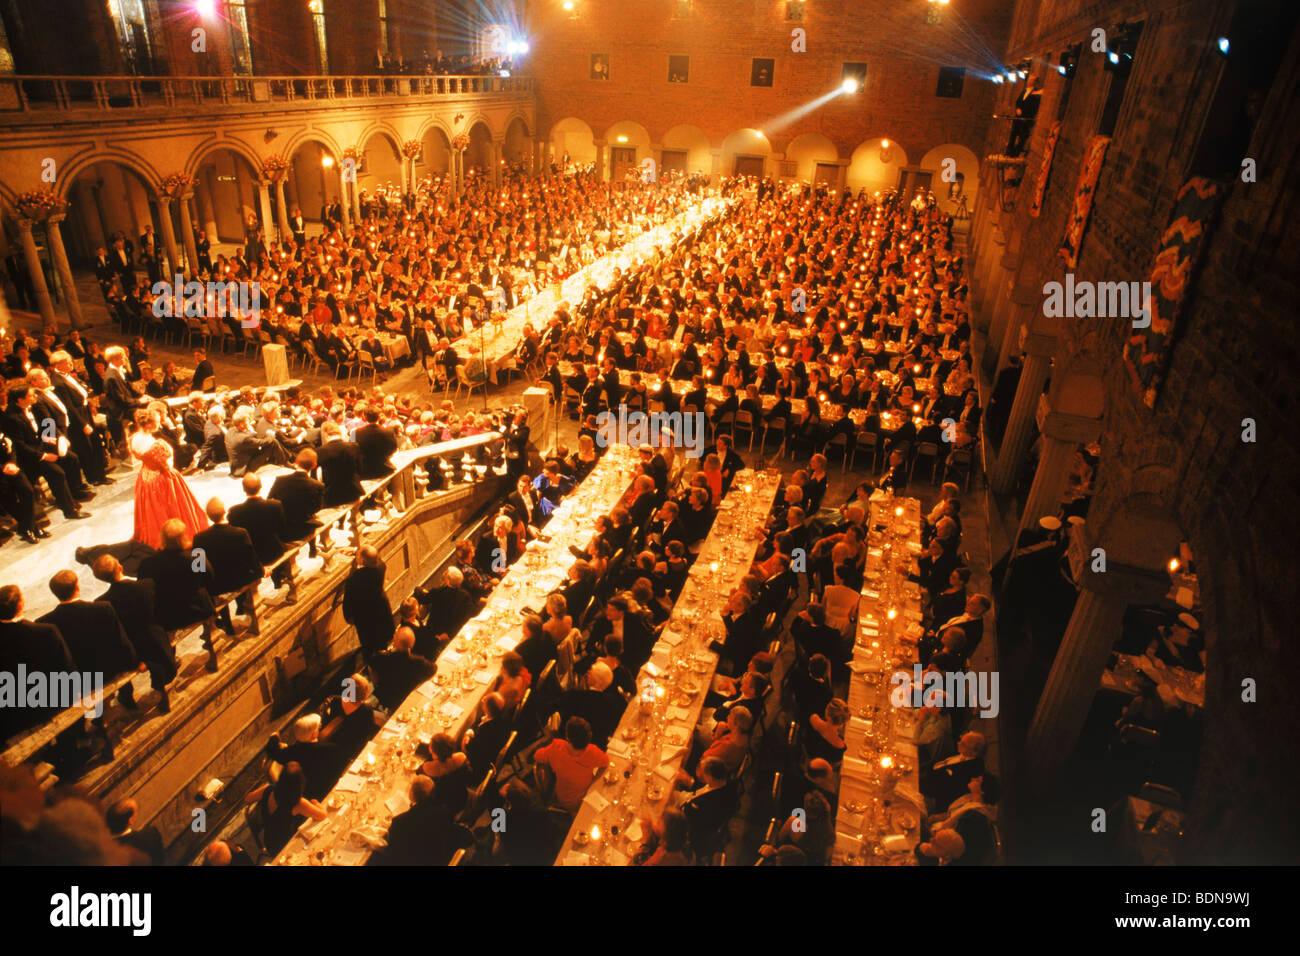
744	420
842	440
777	425
865	440
366	365
463	381
310	356
925	449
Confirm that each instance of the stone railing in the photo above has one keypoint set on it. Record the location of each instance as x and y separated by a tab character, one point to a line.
43	94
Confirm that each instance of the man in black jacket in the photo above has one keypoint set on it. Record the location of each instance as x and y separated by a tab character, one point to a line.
449	606
399	670
183	585
300	495
246	450
203	371
38	453
376	446
235	563
120	400
134	603
68	398
425	835
365	603
318	758
37	647
340	463
265	523
147	841
93	634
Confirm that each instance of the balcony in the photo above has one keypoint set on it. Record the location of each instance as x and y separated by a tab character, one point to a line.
40	96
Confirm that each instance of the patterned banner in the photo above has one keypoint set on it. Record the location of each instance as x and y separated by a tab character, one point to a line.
1083	196
1040	187
1181	247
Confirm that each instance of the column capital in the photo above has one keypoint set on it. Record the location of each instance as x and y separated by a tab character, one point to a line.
1075	429
1121	581
56	218
164	199
1040	344
187	195
598	143
25	226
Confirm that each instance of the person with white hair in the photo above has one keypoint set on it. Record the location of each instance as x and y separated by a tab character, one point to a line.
447	606
246	450
318	758
212	451
497	548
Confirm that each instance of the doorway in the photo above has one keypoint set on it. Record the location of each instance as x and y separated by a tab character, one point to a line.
621	159
749	166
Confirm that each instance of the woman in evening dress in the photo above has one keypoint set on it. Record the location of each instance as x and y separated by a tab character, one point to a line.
160	491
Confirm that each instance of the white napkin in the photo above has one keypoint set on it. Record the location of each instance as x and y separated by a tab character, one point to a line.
671	639
853	767
426	689
574	858
507	642
350	783
895	843
347	856
484	676
679	713
397	803
596	801
666	771
617	748
653	669
452	710
452	657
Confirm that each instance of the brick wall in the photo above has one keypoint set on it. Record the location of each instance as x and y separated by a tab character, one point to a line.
1236	358
903	55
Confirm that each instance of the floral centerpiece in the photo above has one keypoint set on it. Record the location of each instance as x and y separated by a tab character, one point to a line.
355	154
40	204
460	141
412	148
176	184
275	167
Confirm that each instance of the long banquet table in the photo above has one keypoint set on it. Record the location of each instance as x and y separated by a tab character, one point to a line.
654	737
374	788
498	343
880	805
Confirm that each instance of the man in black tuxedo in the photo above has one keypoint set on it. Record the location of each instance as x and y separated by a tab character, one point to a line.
399	670
300	495
448	606
339	461
525	502
183	586
946	780
86	438
120	400
318	758
17	496
234	561
213	451
610	383
37	647
365	603
38	455
375	445
123	264
425	835
70	430
246	450
147	841
551	376
105	274
655	467
92	633
194	420
203	371
710	805
497	548
731	460
265	523
134	603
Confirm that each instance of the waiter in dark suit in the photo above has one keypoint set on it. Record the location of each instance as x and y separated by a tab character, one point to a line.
203	370
134	603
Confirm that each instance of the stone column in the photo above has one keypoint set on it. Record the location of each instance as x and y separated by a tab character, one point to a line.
60	257
264	202
356	196
168	234
602	170
187	235
281	212
496	164
1033	376
207	208
716	165
345	207
1021	314
1001	279
841	176
1075	676
39	288
987	269
1062	434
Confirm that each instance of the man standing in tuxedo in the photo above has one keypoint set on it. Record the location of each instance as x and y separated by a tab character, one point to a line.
376	445
340	463
120	400
264	521
365	603
203	371
183	587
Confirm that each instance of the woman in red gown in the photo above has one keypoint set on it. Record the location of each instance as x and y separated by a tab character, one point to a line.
160	491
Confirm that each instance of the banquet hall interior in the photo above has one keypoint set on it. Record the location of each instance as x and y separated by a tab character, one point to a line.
654	432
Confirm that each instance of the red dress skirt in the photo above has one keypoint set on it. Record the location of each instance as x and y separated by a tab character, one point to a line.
162	494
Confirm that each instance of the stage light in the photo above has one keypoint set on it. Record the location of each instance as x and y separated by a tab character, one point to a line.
568	5
850	85
997	78
327	161
1113	57
1011	76
1223	45
206	8
1061	70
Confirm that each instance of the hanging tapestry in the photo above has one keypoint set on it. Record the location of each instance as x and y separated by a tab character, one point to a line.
1083	196
1045	169
1181	247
